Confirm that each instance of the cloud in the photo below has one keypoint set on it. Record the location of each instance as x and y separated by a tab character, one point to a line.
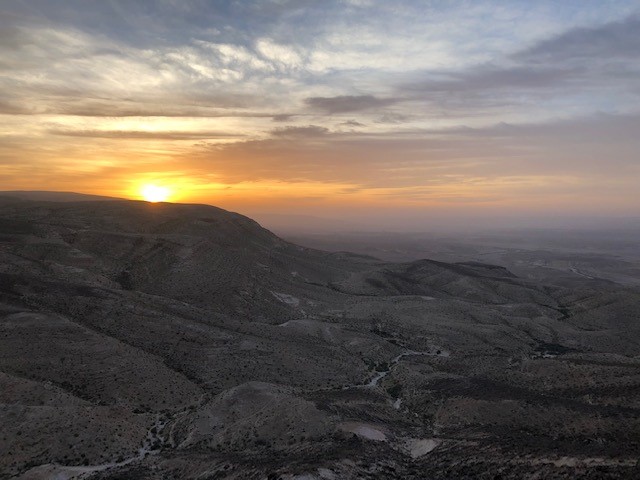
576	70
282	55
352	123
8	107
284	117
142	135
410	100
498	78
392	118
488	91
599	128
348	103
309	131
111	79
581	148
619	40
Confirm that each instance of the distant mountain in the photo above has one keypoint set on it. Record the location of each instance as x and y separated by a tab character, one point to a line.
154	341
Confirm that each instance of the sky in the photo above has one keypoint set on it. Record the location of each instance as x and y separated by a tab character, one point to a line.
387	113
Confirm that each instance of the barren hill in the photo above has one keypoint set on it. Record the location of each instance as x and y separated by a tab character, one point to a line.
153	341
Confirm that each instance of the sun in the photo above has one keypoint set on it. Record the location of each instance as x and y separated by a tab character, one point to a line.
154	193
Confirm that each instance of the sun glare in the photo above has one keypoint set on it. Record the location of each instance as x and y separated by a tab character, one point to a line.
154	193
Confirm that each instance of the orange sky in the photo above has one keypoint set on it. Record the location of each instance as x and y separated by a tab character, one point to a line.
361	110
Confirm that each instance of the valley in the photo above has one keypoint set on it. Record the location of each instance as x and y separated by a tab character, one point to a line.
159	341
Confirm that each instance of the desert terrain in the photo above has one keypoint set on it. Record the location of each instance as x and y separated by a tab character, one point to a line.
172	341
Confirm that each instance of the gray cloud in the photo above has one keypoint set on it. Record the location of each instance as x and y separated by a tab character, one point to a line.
300	132
352	123
8	107
13	37
283	117
63	100
492	86
599	128
393	118
599	63
348	103
605	42
135	134
128	108
520	77
579	148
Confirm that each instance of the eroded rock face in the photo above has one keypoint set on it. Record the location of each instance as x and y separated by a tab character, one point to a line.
183	341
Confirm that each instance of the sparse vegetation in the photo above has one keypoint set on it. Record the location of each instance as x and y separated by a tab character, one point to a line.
208	358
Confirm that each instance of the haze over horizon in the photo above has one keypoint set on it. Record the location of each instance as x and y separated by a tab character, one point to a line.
369	111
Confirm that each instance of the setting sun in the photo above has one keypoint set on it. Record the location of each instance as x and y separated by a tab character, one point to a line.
154	193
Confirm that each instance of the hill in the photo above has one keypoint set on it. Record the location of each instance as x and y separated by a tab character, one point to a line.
183	341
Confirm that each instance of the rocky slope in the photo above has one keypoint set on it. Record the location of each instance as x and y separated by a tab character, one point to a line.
159	341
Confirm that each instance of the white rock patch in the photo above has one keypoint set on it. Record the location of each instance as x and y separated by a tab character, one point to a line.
363	430
286	298
418	447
